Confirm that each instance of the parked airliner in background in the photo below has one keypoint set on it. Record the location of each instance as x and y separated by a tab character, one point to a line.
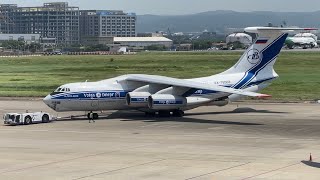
305	42
171	96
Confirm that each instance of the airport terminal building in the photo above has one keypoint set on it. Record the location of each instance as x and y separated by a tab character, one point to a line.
67	24
52	20
100	24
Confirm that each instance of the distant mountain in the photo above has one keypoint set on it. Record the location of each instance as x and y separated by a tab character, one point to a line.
219	20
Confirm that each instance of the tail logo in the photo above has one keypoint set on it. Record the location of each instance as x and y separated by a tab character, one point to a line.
254	56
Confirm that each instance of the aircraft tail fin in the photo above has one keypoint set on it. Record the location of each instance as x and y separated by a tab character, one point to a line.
262	54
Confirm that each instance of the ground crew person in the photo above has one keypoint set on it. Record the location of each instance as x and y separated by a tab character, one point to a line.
91	117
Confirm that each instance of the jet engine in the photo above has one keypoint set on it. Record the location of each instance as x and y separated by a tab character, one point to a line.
219	103
166	102
137	99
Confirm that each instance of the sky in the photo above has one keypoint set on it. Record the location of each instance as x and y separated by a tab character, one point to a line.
181	7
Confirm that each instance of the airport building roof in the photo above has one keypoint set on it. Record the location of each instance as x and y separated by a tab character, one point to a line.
141	39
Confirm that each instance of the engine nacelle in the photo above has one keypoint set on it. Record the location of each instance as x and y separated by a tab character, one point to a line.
166	102
219	103
137	99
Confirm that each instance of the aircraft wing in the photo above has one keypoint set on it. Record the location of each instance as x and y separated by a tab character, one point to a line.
154	79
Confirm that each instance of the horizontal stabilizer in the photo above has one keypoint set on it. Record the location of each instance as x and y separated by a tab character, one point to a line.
280	29
264	96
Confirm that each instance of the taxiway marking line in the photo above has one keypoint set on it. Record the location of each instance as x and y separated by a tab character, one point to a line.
237	136
72	159
119	169
272	170
195	177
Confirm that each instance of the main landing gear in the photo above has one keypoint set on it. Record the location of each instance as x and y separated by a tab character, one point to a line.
165	113
150	114
178	113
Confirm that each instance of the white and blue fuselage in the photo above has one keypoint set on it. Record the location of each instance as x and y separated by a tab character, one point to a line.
111	94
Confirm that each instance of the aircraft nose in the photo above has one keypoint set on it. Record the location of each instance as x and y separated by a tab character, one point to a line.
48	101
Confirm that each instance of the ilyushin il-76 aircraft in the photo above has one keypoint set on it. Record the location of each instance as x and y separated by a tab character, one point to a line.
168	96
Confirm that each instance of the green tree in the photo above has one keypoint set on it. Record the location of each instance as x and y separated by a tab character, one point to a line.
33	47
11	44
201	44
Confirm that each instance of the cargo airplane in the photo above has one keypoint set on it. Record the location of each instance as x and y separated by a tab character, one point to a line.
171	96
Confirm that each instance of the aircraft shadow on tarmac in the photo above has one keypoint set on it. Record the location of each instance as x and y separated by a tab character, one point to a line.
311	164
138	116
80	118
135	115
193	120
238	111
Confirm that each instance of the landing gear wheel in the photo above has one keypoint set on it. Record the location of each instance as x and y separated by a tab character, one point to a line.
178	113
150	114
27	120
164	114
45	118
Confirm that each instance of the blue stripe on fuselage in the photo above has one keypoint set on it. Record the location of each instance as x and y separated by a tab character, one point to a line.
92	95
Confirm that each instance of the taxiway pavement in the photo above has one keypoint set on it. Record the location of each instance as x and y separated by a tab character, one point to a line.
238	141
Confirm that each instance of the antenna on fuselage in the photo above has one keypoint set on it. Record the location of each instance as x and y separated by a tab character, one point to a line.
84	84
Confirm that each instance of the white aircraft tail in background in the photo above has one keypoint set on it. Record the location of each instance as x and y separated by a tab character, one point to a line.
164	95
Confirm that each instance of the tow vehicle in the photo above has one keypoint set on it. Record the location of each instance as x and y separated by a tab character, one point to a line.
27	118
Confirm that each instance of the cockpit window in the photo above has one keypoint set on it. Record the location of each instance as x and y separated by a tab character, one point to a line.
60	90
